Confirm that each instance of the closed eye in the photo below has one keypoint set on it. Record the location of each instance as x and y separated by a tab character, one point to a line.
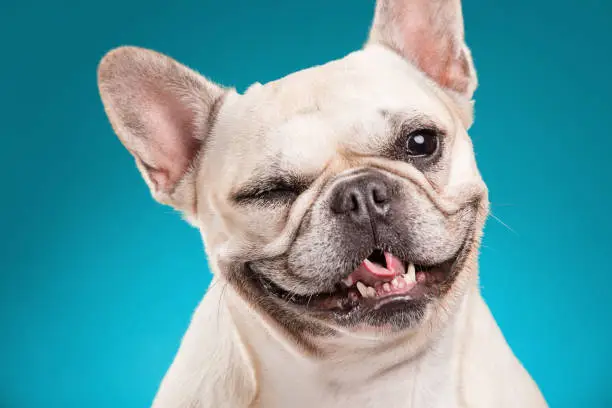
271	191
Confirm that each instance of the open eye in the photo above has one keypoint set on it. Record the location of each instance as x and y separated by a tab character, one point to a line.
422	143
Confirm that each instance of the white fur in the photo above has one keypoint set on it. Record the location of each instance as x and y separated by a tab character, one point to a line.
231	358
325	121
467	364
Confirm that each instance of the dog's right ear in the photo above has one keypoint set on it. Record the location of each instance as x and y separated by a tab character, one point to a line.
429	34
162	112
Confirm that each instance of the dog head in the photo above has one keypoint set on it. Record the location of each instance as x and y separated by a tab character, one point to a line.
341	198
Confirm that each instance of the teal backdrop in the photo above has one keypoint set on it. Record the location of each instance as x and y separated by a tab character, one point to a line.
98	282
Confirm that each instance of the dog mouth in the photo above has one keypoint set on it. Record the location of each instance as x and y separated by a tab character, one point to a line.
381	281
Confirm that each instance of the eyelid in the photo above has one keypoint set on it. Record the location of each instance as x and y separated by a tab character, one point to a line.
258	190
272	188
403	123
412	129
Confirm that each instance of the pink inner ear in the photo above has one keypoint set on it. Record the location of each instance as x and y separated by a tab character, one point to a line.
160	110
439	58
172	142
432	39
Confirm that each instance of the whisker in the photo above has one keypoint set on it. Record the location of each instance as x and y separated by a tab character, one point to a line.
292	292
213	284
490	248
503	223
309	299
220	300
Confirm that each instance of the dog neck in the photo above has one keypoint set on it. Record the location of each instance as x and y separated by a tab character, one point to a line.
352	369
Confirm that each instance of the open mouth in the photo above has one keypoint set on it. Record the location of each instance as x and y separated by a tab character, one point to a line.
380	280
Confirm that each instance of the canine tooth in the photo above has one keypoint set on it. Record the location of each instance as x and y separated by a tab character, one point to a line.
387	287
362	289
395	283
401	283
348	281
409	284
371	292
410	275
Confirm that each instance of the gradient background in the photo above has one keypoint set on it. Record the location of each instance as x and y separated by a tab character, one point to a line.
98	282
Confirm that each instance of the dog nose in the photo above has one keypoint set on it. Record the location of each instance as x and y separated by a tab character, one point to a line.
361	198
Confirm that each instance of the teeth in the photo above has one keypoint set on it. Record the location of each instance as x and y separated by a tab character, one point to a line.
410	275
362	289
400	281
409	283
366	291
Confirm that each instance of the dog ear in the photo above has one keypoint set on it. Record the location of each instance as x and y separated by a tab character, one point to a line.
162	112
428	33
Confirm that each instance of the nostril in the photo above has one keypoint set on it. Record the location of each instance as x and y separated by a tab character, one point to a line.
348	201
379	194
361	198
353	202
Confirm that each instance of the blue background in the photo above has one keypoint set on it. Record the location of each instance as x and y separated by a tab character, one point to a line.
98	282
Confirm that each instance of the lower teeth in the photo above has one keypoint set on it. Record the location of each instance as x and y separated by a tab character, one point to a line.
362	289
399	282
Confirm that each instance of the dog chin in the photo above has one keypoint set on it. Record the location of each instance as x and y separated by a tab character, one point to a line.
384	293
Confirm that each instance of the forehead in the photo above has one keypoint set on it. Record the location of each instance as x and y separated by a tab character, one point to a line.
347	105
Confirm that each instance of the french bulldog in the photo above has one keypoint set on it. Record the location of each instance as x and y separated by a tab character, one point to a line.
341	211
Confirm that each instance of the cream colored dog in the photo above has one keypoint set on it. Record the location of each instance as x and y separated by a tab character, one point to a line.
341	210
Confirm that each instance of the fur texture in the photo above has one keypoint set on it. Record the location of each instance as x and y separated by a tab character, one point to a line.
259	174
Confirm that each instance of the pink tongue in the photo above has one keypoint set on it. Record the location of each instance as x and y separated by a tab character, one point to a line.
371	273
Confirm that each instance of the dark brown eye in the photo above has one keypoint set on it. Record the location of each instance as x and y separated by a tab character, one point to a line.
422	143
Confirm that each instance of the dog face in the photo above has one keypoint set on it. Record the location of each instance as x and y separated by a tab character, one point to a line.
344	197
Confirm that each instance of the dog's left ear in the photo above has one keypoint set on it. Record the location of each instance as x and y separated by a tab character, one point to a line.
428	33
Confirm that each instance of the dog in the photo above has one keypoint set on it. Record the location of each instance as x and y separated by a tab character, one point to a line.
341	210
